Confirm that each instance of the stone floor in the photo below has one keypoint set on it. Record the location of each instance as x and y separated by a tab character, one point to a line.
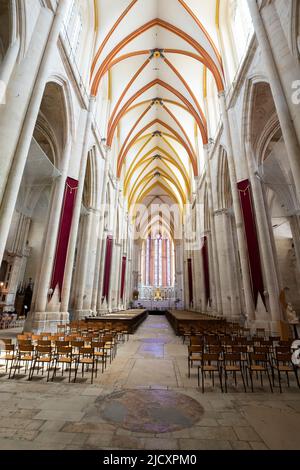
145	400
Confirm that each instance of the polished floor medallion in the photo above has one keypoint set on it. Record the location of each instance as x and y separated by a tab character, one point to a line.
153	411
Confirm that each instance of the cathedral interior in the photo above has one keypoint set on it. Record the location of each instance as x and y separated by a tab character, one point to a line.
150	224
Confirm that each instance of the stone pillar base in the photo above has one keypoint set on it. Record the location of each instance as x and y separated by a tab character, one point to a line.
38	322
101	312
233	318
275	328
81	314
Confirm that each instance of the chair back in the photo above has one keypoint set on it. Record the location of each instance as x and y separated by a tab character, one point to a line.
64	350
210	357
258	357
44	350
44	342
24	348
232	357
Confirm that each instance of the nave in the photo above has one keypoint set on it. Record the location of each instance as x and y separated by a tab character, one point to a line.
145	400
149	160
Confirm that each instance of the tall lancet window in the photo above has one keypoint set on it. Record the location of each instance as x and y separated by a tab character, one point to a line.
147	261
73	25
241	26
168	248
158	261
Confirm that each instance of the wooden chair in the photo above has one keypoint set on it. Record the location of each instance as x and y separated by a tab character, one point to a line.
44	342
22	337
232	364
64	356
110	346
283	363
209	363
61	344
259	363
196	340
76	346
242	350
24	358
260	332
24	342
35	339
194	355
86	358
43	355
61	328
9	354
100	354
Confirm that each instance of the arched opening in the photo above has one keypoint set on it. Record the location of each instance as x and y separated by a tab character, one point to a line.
29	226
5	27
280	201
78	297
157	267
227	243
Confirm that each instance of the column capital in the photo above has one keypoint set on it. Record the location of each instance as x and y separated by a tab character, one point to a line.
107	148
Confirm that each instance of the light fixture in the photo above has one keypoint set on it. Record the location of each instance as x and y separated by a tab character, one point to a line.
156	53
156	134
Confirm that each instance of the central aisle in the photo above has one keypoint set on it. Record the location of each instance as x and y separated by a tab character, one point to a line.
145	400
153	358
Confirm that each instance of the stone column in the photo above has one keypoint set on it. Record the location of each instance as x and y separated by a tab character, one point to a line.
19	81
91	264
115	276
114	266
229	282
281	104
102	235
17	253
197	279
20	157
237	213
82	267
66	288
179	272
295	229
216	294
38	318
7	66
266	249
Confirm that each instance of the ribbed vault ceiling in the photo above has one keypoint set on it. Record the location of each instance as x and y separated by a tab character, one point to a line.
154	54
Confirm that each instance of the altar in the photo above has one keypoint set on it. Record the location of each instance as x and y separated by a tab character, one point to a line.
155	304
158	298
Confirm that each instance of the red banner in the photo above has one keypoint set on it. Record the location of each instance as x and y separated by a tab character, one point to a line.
245	193
206	268
64	233
107	266
190	281
123	276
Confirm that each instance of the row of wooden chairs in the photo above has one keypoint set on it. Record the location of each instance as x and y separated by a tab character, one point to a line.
231	333
33	358
239	359
74	340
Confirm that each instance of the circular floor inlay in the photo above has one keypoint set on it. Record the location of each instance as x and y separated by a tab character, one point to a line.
153	411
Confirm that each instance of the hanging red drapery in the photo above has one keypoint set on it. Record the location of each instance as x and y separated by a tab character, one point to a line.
245	193
206	268
190	281
123	276
107	266
66	217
